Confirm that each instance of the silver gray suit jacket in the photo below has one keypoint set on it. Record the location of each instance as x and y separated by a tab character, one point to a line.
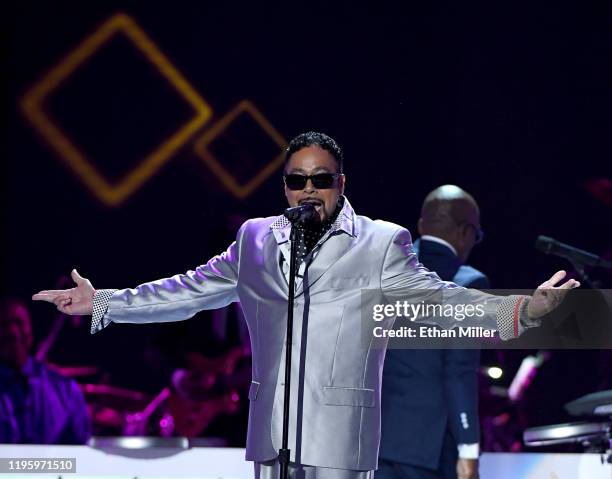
336	380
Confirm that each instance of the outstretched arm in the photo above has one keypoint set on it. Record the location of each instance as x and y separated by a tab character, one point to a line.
209	286
404	278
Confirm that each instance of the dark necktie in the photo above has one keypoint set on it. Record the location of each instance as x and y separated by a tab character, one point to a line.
308	236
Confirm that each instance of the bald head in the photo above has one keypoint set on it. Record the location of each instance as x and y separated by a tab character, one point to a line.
452	214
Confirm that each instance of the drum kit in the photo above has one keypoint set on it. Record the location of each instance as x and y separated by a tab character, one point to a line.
195	397
113	410
176	411
595	436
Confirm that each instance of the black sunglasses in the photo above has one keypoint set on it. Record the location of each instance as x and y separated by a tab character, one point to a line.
321	181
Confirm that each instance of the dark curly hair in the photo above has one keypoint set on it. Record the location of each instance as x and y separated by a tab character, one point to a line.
311	138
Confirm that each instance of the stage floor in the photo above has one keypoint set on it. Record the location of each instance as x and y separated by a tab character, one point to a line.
229	463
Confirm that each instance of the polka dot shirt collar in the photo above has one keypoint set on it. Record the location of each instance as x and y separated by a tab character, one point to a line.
346	221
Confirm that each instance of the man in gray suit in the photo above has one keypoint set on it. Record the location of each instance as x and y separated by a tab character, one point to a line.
335	411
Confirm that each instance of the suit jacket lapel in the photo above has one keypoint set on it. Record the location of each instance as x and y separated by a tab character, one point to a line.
272	267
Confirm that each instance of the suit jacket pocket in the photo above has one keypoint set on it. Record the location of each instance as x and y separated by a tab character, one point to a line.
253	390
350	282
342	396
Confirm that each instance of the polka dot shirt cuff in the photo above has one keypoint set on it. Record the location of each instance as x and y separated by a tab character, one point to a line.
100	306
512	317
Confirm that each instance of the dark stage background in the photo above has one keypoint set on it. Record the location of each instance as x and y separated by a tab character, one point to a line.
513	102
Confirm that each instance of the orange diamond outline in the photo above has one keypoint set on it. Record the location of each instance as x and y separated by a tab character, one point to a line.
33	100
240	191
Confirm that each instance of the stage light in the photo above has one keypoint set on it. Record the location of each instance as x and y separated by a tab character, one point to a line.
495	372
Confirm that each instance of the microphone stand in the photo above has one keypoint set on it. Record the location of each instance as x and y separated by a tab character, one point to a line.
298	215
284	453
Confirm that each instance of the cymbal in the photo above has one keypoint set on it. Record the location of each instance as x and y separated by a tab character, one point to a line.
597	403
115	397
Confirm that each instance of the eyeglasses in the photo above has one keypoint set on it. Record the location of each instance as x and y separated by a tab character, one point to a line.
321	181
478	232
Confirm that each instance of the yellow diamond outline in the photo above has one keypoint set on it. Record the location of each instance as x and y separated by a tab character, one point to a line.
240	191
32	106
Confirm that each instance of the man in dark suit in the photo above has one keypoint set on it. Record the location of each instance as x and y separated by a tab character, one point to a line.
430	423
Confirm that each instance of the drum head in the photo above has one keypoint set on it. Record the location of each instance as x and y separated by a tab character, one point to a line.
567	433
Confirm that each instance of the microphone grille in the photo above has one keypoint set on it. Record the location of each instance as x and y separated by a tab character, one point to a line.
544	244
